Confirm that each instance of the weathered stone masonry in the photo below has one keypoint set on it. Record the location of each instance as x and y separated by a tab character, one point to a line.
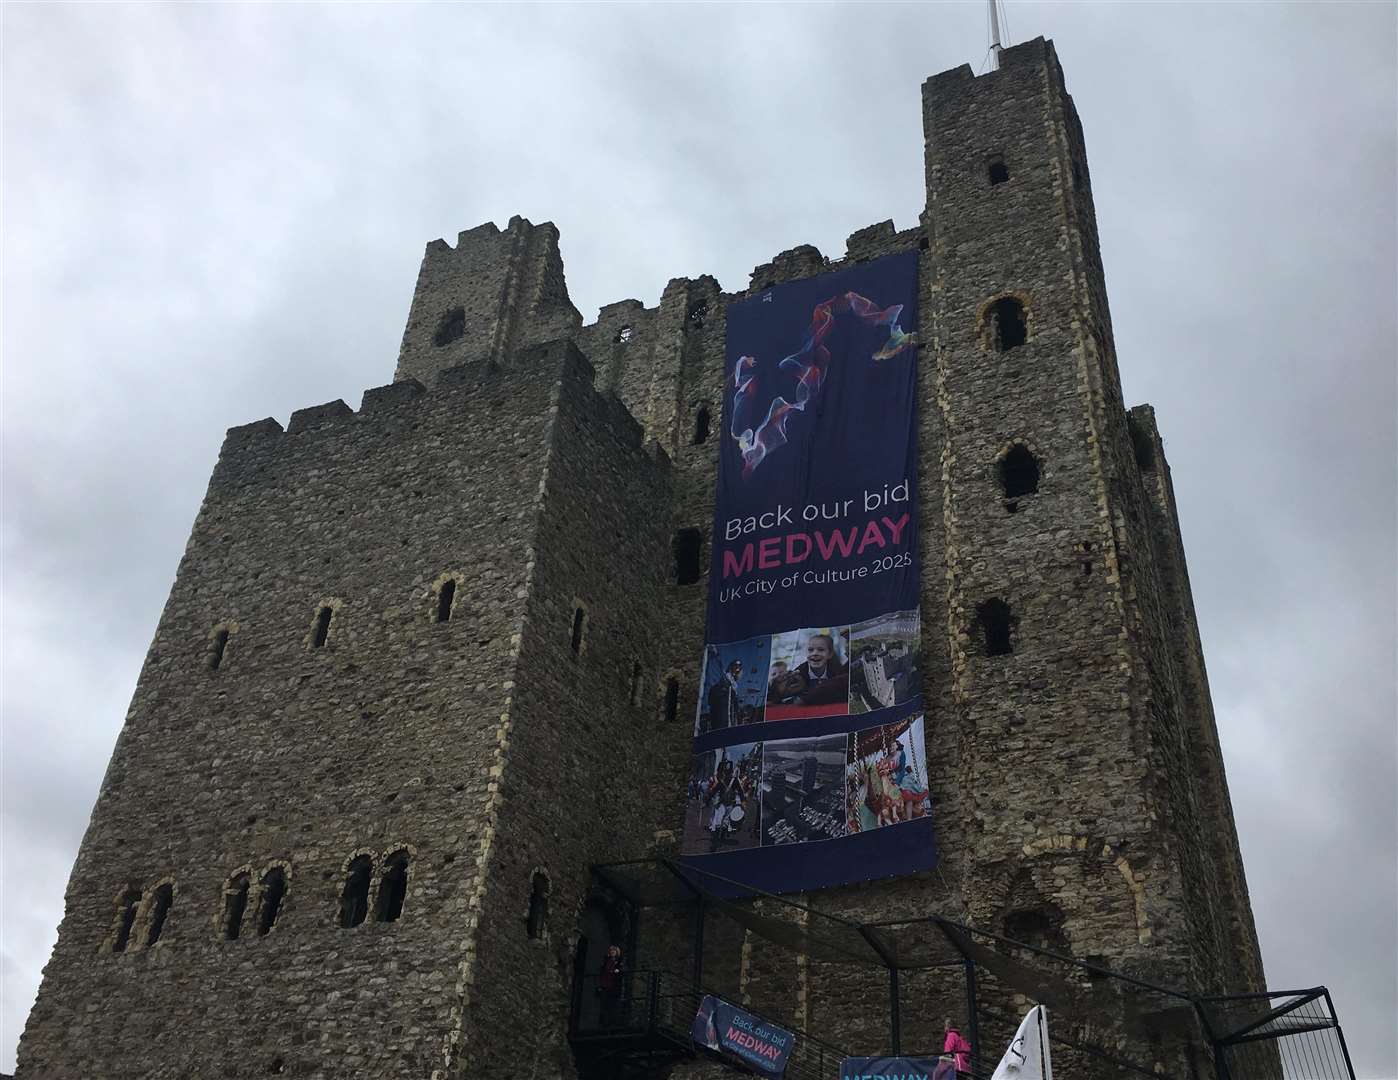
537	470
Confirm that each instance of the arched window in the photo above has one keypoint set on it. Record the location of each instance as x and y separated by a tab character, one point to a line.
393	888
451	327
235	902
322	629
159	911
996	627
446	597
270	904
1006	324
672	699
125	917
999	173
538	906
701	425
354	899
688	545
1019	472
216	651
579	629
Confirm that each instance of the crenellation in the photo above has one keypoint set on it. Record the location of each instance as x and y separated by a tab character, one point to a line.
316	416
870	241
798	262
392	397
258	429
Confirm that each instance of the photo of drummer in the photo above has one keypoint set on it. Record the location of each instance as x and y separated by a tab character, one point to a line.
721	812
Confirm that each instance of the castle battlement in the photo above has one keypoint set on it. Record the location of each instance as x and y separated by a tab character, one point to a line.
465	391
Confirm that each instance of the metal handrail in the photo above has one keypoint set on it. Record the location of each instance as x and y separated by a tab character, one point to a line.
668	1003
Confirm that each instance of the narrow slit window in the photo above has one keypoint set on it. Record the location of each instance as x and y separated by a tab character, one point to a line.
322	630
393	888
126	918
997	627
688	546
159	912
354	899
538	906
446	596
579	629
235	903
219	647
635	695
1007	326
1019	472
701	426
672	699
270	906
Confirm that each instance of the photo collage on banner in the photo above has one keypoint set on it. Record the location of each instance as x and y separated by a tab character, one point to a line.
809	725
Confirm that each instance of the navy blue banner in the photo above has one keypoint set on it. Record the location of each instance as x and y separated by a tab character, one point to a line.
809	726
731	1031
896	1068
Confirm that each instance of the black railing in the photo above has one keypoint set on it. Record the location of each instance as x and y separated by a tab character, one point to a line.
646	1012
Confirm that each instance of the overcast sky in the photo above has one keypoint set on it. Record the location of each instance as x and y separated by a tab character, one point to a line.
215	214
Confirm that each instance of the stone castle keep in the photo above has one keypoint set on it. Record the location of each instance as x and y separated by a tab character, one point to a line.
427	662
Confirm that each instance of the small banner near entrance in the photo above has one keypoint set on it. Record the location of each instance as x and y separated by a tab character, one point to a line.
810	765
738	1034
890	1068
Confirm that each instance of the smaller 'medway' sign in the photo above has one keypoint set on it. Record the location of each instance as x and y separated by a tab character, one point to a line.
729	1030
894	1068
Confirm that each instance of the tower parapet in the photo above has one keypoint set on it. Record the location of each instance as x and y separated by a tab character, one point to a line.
490	296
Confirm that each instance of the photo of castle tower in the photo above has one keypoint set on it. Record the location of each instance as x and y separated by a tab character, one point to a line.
428	663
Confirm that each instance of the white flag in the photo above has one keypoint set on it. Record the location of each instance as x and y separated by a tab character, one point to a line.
1028	1055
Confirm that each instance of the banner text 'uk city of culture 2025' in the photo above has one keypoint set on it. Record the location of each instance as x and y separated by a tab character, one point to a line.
810	765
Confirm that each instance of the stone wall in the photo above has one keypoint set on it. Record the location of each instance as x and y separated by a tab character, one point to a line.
382	739
577	732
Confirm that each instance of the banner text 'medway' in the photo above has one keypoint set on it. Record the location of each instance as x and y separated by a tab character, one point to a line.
777	551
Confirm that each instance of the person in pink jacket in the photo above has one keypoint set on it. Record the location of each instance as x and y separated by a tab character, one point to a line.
955	1044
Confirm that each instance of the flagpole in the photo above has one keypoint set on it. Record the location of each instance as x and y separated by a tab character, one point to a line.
1045	1063
995	46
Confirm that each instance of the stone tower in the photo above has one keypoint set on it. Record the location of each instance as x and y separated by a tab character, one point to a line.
425	662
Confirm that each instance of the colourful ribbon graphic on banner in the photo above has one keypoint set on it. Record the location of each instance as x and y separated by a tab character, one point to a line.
808	364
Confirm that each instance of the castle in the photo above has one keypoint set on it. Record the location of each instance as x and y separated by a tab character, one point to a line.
425	663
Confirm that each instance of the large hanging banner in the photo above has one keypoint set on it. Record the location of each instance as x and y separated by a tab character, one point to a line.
810	764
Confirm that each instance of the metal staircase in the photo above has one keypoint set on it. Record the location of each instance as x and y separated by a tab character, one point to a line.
644	1032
